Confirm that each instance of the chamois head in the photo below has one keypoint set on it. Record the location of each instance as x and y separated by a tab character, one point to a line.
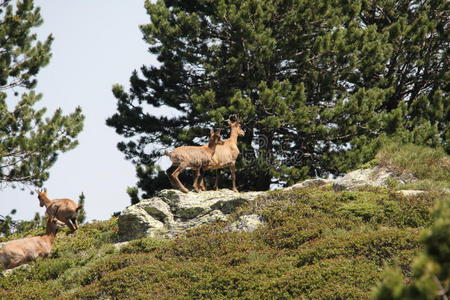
53	225
41	195
215	138
236	126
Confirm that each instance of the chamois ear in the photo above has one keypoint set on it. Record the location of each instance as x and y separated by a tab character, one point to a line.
45	190
229	122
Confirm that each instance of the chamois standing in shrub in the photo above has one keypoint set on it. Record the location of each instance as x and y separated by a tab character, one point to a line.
65	210
194	157
226	155
18	252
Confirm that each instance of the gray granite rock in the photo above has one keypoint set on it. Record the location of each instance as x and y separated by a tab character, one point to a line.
376	176
308	183
410	192
171	212
9	272
246	223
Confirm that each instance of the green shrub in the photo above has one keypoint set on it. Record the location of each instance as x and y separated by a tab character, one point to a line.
142	245
430	274
48	269
105	265
379	246
357	274
33	290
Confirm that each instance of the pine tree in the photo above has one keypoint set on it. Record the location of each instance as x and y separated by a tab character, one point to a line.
7	224
29	142
319	84
82	212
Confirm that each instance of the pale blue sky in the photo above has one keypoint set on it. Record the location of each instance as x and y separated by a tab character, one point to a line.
97	44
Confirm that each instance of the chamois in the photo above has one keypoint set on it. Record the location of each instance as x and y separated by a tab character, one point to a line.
65	210
18	252
194	157
226	155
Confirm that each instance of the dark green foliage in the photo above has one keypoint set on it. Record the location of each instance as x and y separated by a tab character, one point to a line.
6	223
379	246
431	271
29	142
143	245
81	212
316	245
308	78
26	226
9	226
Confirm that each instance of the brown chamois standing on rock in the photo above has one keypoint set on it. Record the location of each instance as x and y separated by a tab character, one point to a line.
65	210
194	157
17	252
225	155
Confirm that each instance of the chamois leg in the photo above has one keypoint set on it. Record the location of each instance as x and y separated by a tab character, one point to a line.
13	264
69	224
169	173
202	181
174	176
196	180
75	222
216	183
233	177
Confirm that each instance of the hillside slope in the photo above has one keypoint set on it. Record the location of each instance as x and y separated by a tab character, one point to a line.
318	243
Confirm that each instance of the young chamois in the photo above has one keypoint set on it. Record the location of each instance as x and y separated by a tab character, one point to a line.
65	210
225	155
18	252
194	157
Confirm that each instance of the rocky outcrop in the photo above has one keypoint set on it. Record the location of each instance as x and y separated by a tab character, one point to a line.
309	183
376	176
246	223
171	212
410	192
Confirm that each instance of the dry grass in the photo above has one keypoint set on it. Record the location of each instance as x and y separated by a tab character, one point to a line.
420	161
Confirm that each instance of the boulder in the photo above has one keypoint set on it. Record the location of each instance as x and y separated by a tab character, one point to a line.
120	245
171	212
246	223
308	183
410	192
9	272
377	176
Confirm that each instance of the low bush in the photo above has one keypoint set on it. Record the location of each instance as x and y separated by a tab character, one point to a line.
379	246
142	245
